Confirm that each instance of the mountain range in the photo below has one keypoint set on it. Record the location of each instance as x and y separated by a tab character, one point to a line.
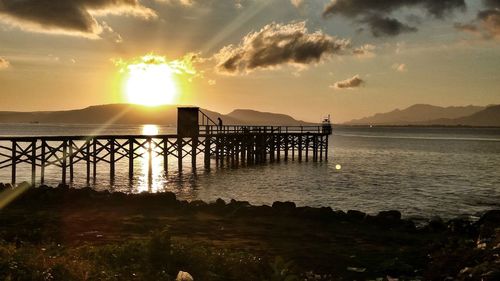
415	115
136	114
430	115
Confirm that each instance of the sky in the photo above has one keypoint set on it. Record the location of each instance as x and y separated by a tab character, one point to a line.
306	58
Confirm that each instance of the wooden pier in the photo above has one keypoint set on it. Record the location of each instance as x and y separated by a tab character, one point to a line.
198	137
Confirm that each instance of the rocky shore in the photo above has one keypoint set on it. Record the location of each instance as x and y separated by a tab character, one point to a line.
81	234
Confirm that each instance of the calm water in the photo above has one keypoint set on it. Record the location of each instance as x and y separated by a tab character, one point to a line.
421	171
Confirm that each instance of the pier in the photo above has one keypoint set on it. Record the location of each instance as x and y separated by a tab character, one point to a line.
198	137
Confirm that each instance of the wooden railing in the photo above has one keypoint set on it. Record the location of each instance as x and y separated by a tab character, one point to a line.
241	129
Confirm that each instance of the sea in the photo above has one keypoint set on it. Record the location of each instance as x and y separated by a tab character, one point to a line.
422	172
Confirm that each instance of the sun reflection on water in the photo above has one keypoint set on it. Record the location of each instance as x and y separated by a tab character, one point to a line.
150	130
154	179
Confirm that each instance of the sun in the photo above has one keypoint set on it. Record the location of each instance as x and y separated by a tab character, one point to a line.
150	84
153	80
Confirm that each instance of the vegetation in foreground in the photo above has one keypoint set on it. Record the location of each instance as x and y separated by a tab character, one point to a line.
80	234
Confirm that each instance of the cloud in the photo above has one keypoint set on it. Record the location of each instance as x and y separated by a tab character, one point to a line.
466	27
277	44
490	22
376	14
400	67
297	3
385	26
4	63
350	83
179	2
365	51
72	17
487	22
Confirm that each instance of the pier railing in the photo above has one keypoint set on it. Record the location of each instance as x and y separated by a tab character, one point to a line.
241	129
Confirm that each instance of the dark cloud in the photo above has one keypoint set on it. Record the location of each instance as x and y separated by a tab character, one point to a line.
350	83
278	44
385	26
492	3
66	16
353	8
4	63
376	14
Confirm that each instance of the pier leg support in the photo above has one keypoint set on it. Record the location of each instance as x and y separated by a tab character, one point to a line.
179	153
33	163
14	161
207	152
131	160
194	148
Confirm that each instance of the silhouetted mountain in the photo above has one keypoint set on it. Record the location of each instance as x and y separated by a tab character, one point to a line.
248	116
490	116
136	114
417	114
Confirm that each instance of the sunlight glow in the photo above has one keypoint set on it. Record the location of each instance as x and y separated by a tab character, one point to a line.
152	80
150	130
150	84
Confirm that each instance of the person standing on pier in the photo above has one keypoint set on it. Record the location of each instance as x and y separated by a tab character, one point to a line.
220	123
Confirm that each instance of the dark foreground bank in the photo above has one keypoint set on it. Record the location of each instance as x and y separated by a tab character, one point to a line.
80	234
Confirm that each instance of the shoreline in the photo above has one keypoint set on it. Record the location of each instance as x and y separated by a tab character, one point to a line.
336	245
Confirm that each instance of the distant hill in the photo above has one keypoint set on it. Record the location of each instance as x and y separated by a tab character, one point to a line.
248	116
418	114
136	114
490	116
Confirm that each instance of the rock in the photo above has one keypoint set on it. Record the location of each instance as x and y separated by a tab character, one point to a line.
184	276
239	204
284	207
261	211
63	186
490	217
24	184
460	226
323	213
220	202
355	215
436	224
167	197
392	215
